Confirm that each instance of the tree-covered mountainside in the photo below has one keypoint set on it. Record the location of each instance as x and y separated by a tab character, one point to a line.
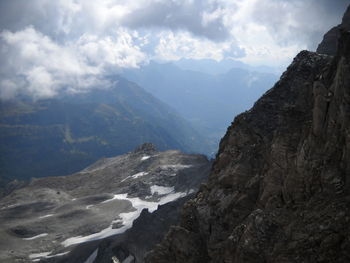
62	135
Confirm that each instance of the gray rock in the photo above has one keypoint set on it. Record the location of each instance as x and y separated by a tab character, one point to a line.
329	44
41	216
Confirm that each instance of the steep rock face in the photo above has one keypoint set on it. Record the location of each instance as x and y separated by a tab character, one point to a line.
279	187
329	44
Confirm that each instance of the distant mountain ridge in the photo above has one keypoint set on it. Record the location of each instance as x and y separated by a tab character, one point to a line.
62	135
207	101
213	67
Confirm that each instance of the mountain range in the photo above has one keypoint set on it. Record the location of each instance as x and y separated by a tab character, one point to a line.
64	134
208	101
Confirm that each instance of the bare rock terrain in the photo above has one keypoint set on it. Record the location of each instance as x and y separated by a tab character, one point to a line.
47	219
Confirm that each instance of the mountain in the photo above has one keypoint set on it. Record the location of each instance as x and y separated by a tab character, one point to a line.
62	135
67	218
329	44
213	67
279	187
207	101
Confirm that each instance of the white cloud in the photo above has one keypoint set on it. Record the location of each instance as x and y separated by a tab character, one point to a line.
38	66
118	52
8	89
174	46
50	46
201	18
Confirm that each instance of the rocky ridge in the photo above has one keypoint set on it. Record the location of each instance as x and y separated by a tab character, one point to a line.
279	187
65	218
329	44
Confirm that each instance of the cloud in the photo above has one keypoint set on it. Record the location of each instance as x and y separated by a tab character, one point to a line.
35	65
174	46
299	21
48	47
201	18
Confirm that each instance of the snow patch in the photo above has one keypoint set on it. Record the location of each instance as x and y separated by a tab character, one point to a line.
139	175
9	206
36	256
135	176
58	255
176	166
126	218
45	216
144	158
35	237
161	190
39	255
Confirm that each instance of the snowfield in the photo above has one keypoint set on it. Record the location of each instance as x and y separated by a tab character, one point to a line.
127	218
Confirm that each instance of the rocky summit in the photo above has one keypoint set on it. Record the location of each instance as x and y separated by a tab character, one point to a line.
71	218
329	44
279	188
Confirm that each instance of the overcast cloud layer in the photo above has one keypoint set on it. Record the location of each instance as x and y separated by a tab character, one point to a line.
47	46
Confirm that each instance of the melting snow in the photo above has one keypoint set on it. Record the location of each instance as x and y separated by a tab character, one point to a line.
125	218
41	217
161	190
58	255
145	158
176	166
9	206
39	255
139	175
36	256
35	237
135	176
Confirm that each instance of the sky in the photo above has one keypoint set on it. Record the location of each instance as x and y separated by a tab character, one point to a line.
47	47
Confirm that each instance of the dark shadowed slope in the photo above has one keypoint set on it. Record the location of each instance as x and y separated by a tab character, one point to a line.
329	44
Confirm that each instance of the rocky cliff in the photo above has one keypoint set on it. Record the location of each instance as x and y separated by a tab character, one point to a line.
279	187
329	44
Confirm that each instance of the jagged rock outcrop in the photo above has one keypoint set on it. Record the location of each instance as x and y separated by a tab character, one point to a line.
279	189
329	44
